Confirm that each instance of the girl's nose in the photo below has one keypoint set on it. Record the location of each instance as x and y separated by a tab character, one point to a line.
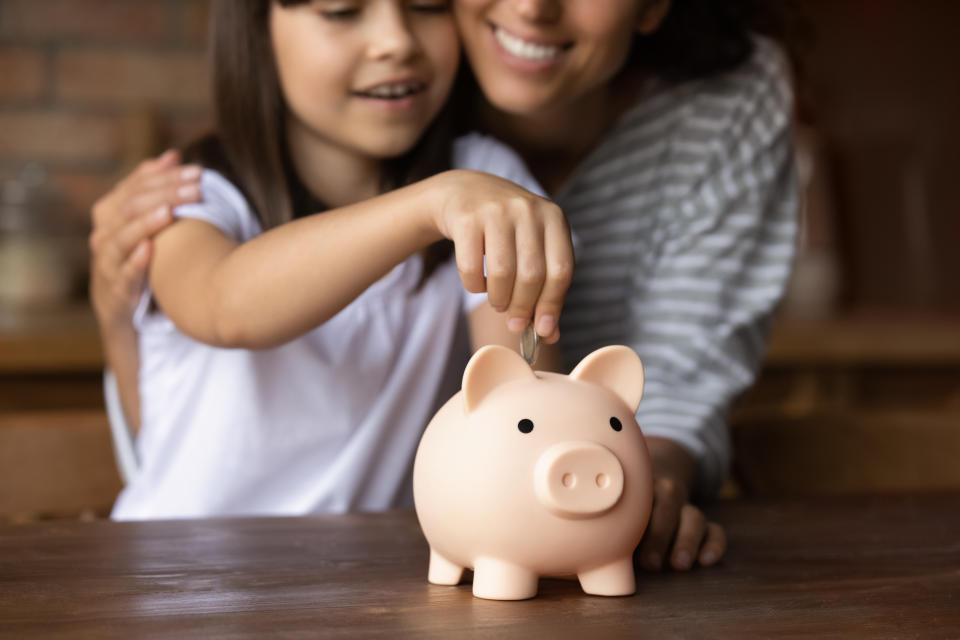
390	36
539	10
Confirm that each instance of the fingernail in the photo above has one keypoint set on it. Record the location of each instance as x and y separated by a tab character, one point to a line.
517	324
161	213
499	309
682	560
166	154
708	557
191	173
652	560
545	325
189	192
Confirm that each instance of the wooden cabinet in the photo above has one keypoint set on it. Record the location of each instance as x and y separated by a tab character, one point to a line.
56	457
863	402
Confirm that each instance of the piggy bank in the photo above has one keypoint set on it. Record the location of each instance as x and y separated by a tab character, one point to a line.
525	474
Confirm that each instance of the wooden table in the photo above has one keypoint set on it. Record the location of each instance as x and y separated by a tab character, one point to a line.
882	567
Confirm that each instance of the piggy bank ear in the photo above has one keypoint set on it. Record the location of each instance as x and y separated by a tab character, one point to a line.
490	367
617	368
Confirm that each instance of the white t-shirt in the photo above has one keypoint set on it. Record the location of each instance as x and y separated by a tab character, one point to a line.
328	422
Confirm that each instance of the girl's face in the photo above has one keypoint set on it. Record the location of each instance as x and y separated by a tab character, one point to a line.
364	76
530	55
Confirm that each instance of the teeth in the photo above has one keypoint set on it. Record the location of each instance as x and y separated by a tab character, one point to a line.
392	90
524	49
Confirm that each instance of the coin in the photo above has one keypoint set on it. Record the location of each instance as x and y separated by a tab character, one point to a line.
529	344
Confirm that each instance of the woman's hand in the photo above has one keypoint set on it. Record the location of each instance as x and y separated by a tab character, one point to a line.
678	530
124	222
526	242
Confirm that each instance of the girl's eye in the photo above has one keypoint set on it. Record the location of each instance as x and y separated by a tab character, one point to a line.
340	14
525	425
430	7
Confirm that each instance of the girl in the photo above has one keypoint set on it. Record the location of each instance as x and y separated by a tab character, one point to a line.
662	128
290	361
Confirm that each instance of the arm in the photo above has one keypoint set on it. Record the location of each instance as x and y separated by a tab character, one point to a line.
249	295
702	318
124	221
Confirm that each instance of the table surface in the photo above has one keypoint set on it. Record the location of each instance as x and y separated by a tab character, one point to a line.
877	567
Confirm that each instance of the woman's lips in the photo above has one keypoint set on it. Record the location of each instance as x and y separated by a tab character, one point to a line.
523	54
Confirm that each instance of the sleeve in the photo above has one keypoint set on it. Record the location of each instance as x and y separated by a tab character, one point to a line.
723	263
224	207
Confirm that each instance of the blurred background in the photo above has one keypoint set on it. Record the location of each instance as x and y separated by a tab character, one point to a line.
860	391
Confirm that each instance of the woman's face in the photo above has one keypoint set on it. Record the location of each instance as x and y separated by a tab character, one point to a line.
529	55
364	76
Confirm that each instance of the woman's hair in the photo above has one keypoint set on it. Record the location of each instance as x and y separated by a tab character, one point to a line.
702	37
249	144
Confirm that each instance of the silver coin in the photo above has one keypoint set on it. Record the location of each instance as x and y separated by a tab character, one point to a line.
530	345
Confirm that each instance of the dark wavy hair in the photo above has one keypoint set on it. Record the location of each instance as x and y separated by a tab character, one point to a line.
703	37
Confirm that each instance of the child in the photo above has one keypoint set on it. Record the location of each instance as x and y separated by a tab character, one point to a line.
290	361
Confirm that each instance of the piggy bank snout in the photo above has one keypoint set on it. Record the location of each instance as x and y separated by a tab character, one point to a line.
578	479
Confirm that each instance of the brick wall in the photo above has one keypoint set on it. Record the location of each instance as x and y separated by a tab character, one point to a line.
89	87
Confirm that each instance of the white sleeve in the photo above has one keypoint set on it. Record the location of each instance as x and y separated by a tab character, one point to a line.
224	207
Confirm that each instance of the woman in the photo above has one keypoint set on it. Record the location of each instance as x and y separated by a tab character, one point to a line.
662	129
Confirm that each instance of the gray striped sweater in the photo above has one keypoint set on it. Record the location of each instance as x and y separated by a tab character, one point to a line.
686	216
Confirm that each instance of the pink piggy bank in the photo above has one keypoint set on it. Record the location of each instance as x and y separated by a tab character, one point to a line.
525	474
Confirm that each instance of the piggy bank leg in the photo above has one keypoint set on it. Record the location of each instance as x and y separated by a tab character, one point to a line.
442	571
614	579
498	580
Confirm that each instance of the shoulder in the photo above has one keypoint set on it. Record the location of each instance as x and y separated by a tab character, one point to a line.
222	205
755	99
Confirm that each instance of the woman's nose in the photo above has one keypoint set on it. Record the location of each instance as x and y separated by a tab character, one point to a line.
538	10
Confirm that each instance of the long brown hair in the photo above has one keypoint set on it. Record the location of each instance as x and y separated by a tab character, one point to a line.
249	144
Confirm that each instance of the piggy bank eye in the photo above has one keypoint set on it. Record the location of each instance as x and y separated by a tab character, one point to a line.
616	424
525	425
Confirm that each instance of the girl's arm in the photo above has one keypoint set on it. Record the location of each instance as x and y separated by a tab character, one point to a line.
281	284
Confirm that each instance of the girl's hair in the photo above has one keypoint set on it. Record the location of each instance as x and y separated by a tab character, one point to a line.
249	145
702	37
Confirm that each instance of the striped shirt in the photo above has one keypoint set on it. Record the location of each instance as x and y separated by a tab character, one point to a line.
686	215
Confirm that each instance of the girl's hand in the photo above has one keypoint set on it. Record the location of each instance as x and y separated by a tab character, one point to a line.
526	242
678	531
124	221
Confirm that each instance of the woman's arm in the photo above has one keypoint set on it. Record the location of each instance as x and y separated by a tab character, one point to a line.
124	221
279	285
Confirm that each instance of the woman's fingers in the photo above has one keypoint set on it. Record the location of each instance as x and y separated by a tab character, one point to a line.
664	520
171	188
714	546
690	533
133	273
140	228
